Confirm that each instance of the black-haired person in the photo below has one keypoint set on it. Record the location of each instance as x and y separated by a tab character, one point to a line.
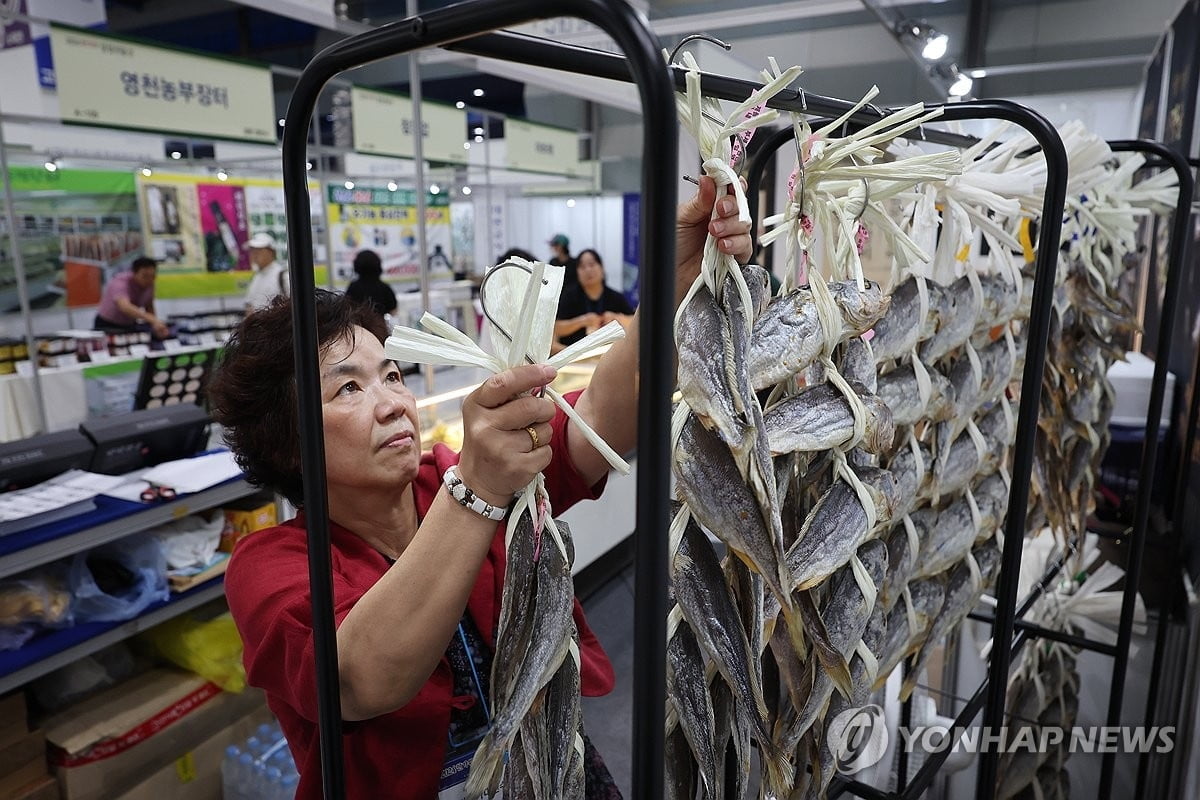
369	287
590	305
128	301
560	245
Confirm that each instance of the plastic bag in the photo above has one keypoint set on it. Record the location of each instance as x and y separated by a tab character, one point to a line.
190	541
211	648
119	580
39	597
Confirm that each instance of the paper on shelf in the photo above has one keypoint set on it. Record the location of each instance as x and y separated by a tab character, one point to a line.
189	475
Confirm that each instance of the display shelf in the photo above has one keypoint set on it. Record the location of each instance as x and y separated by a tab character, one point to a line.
53	649
111	519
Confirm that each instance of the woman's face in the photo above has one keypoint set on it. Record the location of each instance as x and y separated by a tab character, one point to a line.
591	273
372	440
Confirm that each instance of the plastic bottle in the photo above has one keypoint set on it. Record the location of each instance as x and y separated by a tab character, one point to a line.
231	774
244	775
287	787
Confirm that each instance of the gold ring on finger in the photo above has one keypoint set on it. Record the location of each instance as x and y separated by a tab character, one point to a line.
533	438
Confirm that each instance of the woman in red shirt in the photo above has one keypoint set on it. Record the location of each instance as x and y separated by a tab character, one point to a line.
417	574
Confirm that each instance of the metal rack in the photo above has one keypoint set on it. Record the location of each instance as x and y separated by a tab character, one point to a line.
458	28
1010	616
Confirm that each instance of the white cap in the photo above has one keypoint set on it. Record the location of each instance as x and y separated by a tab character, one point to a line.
261	240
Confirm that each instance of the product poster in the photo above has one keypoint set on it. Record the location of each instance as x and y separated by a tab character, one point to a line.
375	218
631	247
197	227
1183	74
224	225
73	227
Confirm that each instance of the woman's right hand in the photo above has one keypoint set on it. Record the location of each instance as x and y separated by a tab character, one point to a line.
498	458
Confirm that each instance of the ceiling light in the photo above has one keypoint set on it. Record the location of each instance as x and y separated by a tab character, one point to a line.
478	92
466	190
977	73
571	203
478	138
308	165
961	86
460	104
147	171
349	184
175	154
478	131
466	145
935	46
392	186
51	165
434	188
281	122
222	175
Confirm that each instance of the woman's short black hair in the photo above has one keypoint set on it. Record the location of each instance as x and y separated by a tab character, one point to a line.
367	264
252	392
518	252
595	255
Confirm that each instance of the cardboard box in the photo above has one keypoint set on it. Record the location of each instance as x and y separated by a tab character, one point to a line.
196	774
45	788
30	747
108	743
244	518
13	722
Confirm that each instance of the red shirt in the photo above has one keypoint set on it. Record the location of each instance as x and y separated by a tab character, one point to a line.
399	754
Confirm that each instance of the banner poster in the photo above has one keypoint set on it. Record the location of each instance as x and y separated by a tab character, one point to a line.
375	218
631	247
73	226
198	226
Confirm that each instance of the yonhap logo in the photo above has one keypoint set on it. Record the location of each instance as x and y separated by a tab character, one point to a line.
858	738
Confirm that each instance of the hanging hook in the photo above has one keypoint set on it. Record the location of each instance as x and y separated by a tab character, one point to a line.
697	36
803	100
483	297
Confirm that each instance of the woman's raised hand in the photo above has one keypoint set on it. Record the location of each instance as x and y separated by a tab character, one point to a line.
506	433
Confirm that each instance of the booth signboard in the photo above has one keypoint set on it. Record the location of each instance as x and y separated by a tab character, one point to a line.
384	125
542	148
376	218
121	83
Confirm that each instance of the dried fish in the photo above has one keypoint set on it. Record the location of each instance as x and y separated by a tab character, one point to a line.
837	525
687	686
819	418
908	624
956	324
902	327
787	337
901	390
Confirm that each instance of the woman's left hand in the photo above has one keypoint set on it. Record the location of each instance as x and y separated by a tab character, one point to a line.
693	224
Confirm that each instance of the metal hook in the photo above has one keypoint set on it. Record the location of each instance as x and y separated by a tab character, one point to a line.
697	36
483	297
803	100
866	191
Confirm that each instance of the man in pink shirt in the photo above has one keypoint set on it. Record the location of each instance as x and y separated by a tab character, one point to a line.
128	299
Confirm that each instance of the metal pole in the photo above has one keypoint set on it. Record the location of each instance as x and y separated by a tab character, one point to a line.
655	346
22	286
414	92
1141	519
1156	669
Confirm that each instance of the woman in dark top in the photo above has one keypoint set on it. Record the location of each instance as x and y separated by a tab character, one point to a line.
369	287
590	305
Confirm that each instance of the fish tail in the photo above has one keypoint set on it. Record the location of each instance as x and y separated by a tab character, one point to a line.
778	768
484	776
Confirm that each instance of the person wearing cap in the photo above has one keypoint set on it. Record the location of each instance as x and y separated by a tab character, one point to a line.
128	300
561	246
369	287
270	277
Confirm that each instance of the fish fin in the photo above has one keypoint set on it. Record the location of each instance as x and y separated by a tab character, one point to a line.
834	663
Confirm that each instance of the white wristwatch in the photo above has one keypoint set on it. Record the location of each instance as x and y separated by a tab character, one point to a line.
467	499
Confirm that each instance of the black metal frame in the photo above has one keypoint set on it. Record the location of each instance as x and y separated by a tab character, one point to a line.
1010	616
644	64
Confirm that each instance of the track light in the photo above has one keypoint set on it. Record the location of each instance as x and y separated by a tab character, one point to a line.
222	175
466	190
434	188
349	184
147	172
392	186
51	164
962	84
933	43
